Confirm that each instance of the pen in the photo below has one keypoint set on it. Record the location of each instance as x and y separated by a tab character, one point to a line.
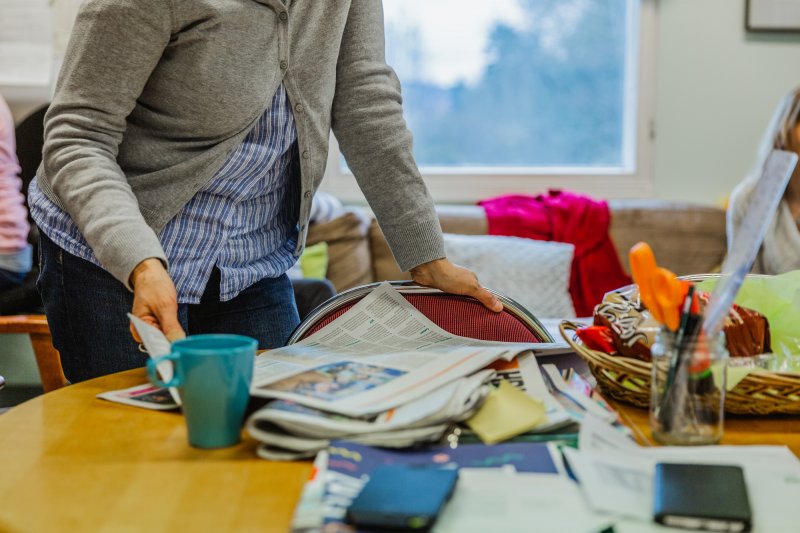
674	362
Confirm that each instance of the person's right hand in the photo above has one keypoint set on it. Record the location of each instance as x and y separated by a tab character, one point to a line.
155	299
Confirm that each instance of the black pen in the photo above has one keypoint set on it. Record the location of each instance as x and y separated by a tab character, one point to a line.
674	363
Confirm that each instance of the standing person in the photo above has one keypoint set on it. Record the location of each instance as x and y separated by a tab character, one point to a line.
182	149
15	252
781	249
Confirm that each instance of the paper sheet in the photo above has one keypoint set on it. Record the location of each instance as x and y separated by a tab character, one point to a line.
156	345
535	387
499	500
506	413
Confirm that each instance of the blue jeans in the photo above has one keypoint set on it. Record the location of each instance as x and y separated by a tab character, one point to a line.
9	280
86	308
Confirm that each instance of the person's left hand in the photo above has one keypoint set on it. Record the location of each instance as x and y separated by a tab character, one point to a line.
443	275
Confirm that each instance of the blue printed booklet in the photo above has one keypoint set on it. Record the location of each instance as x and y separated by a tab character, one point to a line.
342	471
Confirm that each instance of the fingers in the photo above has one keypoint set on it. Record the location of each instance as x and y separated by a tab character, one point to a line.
167	317
172	330
155	299
135	334
485	297
444	275
488	299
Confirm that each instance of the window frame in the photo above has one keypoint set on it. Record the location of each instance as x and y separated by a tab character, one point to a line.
634	179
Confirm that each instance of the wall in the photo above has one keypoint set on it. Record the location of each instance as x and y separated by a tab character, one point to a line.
717	87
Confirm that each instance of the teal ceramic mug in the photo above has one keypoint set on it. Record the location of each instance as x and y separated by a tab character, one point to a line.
213	375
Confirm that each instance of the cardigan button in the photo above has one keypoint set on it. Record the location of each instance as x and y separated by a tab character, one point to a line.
284	16
284	64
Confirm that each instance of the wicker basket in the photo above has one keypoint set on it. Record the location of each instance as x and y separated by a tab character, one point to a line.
628	380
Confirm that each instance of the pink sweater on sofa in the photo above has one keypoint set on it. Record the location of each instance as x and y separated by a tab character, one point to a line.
13	216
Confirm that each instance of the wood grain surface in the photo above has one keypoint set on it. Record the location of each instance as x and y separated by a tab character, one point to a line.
72	462
779	430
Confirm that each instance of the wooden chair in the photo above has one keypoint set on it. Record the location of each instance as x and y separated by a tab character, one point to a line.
47	357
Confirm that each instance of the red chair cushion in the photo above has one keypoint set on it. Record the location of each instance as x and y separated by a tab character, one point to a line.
458	315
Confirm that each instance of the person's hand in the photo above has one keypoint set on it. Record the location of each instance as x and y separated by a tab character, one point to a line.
445	276
155	299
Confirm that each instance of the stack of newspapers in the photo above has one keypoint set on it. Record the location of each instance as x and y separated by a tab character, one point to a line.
383	374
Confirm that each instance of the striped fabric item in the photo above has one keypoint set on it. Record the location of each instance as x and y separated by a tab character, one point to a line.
244	221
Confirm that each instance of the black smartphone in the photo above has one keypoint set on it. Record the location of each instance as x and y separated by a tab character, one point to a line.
702	497
403	497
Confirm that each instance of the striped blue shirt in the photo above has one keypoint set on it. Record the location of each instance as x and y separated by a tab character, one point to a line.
244	221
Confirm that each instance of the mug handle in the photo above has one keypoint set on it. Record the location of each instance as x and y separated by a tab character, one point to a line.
152	367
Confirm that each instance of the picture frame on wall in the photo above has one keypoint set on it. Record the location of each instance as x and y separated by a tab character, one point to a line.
772	15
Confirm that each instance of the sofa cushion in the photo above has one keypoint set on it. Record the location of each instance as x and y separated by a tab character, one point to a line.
536	274
384	267
685	238
349	261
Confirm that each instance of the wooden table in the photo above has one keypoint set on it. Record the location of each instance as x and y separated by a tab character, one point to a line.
71	462
779	430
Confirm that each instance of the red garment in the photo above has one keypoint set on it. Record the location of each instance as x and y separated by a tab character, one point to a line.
565	217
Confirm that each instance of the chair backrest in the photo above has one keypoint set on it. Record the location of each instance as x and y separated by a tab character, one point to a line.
30	142
47	357
459	315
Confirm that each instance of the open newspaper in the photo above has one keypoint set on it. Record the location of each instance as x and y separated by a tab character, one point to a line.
380	354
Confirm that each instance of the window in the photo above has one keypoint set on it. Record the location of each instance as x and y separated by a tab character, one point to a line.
521	95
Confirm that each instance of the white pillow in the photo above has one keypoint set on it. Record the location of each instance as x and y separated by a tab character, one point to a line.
534	273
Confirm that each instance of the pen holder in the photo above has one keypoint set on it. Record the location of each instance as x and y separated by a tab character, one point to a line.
687	392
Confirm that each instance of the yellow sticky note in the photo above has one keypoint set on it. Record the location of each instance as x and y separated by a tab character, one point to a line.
506	413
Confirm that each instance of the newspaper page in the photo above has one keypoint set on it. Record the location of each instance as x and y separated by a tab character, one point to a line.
146	396
380	354
448	404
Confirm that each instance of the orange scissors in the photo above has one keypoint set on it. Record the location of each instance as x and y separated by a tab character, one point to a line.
643	269
661	292
670	293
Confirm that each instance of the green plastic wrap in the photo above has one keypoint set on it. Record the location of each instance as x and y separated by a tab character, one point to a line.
777	298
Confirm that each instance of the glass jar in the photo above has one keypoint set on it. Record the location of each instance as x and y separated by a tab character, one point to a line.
687	392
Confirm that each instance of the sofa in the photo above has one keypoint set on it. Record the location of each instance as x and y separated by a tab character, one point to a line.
686	238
